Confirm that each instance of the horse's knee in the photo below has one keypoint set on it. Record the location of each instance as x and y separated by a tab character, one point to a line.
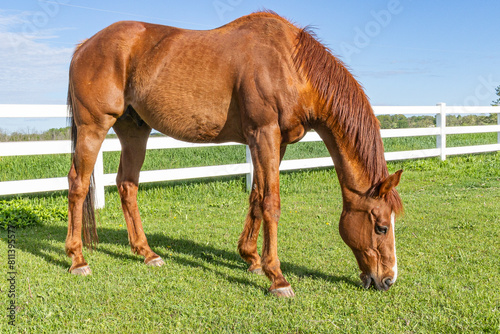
271	208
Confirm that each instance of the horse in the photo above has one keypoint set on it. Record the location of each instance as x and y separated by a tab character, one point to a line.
259	80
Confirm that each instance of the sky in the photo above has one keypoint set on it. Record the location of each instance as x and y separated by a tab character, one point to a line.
403	52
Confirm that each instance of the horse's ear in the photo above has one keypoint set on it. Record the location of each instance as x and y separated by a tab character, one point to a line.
390	182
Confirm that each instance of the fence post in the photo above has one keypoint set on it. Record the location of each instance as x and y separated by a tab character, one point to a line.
249	176
99	181
441	123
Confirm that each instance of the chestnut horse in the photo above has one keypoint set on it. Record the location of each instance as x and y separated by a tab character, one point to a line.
259	80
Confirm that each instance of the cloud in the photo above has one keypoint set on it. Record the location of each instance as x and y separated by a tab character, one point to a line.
7	21
32	69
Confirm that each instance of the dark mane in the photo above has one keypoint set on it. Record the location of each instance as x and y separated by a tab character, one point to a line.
348	107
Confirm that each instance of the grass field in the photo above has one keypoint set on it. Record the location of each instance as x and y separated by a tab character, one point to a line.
448	245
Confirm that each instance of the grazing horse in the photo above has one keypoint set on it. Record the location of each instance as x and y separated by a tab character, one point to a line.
259	80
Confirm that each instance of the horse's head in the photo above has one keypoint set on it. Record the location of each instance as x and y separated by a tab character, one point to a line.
367	226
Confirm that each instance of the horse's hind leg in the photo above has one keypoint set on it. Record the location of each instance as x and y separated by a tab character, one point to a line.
89	138
247	244
133	134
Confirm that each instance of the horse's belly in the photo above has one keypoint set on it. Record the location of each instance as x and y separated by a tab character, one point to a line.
195	122
192	103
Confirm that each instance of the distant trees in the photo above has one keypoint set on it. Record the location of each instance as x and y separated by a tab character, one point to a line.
401	121
497	101
421	121
452	120
52	134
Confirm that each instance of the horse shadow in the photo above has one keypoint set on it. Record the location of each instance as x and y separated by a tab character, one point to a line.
40	242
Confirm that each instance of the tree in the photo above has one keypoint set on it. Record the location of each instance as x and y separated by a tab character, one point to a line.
497	101
401	121
385	121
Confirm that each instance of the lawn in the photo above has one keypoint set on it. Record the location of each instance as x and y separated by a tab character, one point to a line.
448	243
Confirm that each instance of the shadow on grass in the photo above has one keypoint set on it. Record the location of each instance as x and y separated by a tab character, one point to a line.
38	241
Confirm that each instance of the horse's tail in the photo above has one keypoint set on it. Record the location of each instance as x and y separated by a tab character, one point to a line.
90	239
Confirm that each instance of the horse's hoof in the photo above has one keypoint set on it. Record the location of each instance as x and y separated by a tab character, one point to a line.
285	292
82	271
257	271
156	262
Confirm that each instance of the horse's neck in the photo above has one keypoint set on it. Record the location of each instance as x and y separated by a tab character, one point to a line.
352	177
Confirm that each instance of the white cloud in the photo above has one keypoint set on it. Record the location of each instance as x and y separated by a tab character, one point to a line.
32	69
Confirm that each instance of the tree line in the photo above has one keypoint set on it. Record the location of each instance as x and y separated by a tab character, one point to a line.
401	121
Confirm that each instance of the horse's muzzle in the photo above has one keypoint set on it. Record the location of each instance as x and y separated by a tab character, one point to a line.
369	280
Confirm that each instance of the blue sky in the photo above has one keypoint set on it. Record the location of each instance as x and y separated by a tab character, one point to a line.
403	52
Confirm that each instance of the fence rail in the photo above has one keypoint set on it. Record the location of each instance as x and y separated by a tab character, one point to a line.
109	145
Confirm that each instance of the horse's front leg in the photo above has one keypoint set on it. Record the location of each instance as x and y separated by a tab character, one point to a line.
247	244
265	148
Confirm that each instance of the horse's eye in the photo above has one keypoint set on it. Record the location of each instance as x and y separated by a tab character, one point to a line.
381	229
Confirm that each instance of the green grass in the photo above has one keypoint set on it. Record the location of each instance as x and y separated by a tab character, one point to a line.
448	245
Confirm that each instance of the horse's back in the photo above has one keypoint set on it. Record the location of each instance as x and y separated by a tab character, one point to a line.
189	84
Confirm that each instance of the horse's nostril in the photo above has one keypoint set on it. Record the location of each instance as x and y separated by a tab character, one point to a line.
388	281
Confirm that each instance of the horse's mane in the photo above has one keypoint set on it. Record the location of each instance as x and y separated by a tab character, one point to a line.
347	106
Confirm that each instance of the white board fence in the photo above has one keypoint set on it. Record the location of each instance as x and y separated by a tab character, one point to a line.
102	180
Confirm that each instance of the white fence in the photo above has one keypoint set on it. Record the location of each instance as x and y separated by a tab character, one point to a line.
102	180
